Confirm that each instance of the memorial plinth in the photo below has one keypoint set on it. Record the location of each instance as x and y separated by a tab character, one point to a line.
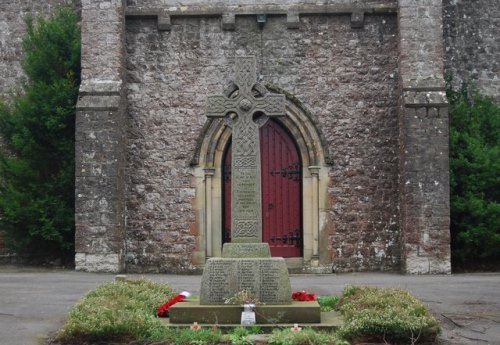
188	312
267	278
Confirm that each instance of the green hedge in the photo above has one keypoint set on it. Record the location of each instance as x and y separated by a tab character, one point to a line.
474	179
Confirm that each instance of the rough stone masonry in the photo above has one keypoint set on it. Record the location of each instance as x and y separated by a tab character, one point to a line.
137	194
364	85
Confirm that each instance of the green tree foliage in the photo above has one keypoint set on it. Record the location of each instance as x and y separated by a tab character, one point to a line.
37	125
474	179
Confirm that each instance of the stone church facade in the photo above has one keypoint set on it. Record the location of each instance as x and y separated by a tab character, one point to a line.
366	112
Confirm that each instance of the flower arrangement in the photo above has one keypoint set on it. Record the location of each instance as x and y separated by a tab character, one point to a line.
303	296
162	310
243	297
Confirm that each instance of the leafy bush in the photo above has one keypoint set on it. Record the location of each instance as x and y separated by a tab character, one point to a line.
385	314
118	310
239	335
37	126
328	303
474	178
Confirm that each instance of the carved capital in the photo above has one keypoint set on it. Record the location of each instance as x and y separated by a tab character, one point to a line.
314	170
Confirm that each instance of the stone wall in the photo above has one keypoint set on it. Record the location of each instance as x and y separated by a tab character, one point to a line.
472	39
346	77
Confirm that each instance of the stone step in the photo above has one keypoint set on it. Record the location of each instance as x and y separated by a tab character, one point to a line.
329	321
191	311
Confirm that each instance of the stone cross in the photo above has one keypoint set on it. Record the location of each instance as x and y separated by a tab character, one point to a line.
246	107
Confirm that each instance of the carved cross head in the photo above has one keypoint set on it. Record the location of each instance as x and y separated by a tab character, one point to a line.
245	97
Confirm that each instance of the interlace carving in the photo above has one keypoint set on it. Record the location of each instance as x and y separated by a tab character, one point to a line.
245	228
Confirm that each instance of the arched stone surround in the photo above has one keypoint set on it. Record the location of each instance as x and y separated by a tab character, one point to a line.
207	164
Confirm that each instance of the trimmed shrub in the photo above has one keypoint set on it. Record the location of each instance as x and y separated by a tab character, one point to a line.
385	314
118	310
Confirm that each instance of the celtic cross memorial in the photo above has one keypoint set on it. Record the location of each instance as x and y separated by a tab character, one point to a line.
246	262
246	107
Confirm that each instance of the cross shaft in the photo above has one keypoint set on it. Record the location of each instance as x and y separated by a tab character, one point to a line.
239	109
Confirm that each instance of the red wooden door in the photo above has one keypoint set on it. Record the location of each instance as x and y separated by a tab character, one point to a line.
281	180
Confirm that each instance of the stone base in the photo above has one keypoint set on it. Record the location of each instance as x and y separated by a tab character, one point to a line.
415	264
188	312
267	278
97	262
246	250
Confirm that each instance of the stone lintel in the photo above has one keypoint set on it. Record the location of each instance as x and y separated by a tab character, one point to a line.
100	95
425	98
422	83
98	103
101	87
246	250
267	278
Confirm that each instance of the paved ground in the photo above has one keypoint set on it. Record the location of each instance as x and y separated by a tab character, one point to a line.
33	303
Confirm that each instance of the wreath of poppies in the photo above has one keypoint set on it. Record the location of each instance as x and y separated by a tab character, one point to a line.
162	310
303	296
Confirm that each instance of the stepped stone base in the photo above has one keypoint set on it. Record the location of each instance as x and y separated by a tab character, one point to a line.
267	278
188	312
246	250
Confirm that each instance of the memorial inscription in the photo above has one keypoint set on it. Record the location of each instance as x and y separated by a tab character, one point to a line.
218	277
247	271
267	278
269	285
246	193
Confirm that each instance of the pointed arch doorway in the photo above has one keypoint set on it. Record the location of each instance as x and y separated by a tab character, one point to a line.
208	160
281	189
